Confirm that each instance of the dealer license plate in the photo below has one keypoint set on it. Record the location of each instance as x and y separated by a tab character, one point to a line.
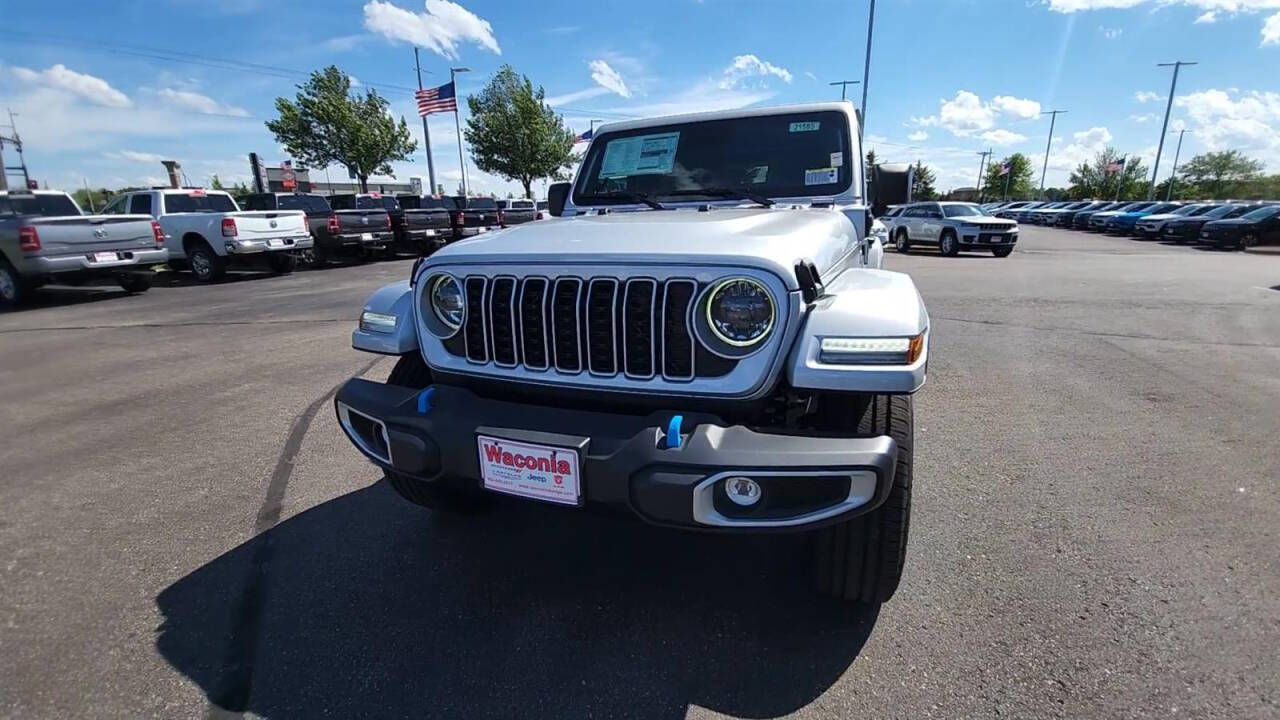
104	257
541	472
366	236
429	233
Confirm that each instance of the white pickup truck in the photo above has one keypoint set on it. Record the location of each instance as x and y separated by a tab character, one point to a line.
205	230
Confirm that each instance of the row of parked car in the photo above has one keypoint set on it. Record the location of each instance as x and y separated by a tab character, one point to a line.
1225	225
45	237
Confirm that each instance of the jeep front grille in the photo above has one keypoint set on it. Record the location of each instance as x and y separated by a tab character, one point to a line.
598	325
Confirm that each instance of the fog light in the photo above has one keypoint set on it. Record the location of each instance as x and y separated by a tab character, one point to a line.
742	491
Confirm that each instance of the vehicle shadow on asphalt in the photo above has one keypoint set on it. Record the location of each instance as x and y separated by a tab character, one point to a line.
367	606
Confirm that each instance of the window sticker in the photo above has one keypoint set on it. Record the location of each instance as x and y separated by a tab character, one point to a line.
640	155
805	126
837	159
821	176
758	174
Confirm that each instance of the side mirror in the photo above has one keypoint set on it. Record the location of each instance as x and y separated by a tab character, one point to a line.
556	195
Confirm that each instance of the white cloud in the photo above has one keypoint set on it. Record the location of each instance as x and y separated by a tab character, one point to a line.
704	96
343	43
1000	136
1271	30
750	66
440	29
87	87
963	115
918	136
810	75
1144	118
1231	119
1110	33
577	95
1084	146
1207	18
1146	96
133	155
608	78
195	102
1017	107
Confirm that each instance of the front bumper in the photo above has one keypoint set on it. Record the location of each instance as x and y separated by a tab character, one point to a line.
624	460
241	246
1219	240
987	240
85	265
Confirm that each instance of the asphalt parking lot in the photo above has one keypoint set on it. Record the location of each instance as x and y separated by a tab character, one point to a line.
184	532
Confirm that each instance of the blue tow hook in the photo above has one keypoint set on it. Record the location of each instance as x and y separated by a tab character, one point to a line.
424	400
672	440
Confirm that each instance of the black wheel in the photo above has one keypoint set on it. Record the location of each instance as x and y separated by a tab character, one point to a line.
320	256
205	263
134	282
1002	251
282	263
862	559
410	371
1248	240
948	245
901	242
13	289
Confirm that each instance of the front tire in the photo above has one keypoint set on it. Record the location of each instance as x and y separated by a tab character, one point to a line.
1248	240
948	245
862	559
411	372
902	243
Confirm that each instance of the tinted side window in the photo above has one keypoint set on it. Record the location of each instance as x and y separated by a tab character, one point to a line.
116	207
140	204
342	202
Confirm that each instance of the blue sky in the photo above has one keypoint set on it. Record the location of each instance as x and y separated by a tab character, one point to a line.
99	95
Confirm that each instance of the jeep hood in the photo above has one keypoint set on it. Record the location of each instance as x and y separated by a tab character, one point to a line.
771	239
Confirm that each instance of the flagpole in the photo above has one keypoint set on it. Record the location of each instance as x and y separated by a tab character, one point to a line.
457	124
426	134
1007	176
1119	181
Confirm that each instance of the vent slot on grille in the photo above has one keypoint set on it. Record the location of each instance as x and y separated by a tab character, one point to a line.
602	352
677	341
474	332
637	327
564	324
533	328
502	321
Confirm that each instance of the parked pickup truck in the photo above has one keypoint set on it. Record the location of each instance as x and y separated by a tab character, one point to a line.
368	230
516	212
471	216
205	231
45	238
698	355
426	223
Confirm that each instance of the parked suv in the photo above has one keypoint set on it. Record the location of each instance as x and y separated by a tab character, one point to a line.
953	226
1259	226
516	212
45	238
1188	229
690	354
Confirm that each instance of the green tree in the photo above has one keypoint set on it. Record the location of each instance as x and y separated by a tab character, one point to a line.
1092	180
513	133
922	183
328	124
1218	175
1018	179
92	200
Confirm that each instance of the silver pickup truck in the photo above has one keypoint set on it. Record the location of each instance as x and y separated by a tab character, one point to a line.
45	238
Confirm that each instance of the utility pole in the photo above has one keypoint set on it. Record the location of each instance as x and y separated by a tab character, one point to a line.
1174	175
981	163
457	123
1007	177
866	69
844	84
1053	120
1173	87
22	163
426	133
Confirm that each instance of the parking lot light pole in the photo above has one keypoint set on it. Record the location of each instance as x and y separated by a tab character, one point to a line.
1053	120
844	84
1173	87
457	123
866	69
1173	176
981	163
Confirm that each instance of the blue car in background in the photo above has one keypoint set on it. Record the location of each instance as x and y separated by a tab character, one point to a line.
1124	223
1098	221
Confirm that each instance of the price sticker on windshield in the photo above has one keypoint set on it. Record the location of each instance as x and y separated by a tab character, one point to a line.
821	176
805	126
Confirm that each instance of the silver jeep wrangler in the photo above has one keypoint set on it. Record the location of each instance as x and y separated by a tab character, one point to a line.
701	337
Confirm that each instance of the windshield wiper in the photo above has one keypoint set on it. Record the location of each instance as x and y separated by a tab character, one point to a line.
625	195
727	193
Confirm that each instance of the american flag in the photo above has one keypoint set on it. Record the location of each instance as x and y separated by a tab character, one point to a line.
1005	168
584	137
437	99
1115	166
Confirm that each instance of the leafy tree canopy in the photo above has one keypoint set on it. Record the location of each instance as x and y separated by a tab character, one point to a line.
513	133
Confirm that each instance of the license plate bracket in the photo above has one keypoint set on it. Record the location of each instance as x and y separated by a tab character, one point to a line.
106	257
533	465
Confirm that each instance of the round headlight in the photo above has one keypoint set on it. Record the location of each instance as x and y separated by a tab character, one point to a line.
740	311
447	301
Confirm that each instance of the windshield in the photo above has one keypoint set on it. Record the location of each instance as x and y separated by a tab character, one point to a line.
367	202
310	204
44	205
389	203
785	155
481	203
961	210
1261	213
1186	210
1223	211
201	203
